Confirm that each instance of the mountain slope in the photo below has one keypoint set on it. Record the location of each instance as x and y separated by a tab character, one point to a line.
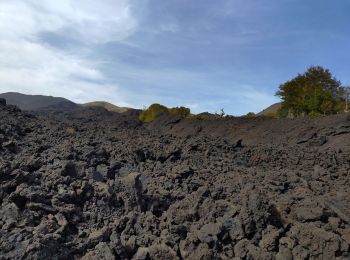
37	102
271	110
107	106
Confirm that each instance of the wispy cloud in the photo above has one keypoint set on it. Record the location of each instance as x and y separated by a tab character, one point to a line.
29	65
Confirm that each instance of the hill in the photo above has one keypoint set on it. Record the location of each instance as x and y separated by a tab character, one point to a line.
107	106
271	110
37	102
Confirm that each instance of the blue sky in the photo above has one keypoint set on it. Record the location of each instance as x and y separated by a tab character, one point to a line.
207	55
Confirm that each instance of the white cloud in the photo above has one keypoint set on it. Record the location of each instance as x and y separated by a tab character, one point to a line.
28	65
90	21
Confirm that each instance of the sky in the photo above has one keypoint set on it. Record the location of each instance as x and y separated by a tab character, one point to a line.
204	54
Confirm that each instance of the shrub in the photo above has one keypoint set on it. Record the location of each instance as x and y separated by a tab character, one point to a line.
314	114
250	115
156	110
282	112
153	112
181	111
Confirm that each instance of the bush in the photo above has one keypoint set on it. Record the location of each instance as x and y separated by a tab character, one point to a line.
181	111
156	110
314	114
202	116
282	112
153	112
250	115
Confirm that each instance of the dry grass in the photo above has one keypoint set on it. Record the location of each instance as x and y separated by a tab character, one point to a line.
70	130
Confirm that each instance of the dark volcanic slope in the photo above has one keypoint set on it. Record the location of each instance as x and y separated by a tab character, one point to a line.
37	102
97	185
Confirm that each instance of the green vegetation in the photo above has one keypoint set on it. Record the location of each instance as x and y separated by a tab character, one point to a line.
153	112
156	110
250	115
314	93
182	111
201	116
106	105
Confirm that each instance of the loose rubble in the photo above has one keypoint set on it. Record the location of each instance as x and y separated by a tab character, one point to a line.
92	184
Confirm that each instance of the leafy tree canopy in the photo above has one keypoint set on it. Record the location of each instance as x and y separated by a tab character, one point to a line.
316	92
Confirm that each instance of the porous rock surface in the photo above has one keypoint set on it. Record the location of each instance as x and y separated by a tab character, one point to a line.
91	184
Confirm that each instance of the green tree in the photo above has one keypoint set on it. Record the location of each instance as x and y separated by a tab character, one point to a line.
153	112
316	92
156	110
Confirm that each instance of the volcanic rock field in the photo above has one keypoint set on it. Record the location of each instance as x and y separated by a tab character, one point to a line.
91	184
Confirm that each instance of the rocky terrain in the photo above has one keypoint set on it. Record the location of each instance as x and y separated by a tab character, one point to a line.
92	184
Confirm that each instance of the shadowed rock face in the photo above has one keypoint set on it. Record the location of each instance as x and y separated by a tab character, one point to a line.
93	184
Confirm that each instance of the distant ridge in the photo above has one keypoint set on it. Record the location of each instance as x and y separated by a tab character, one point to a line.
41	102
37	102
271	110
107	106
